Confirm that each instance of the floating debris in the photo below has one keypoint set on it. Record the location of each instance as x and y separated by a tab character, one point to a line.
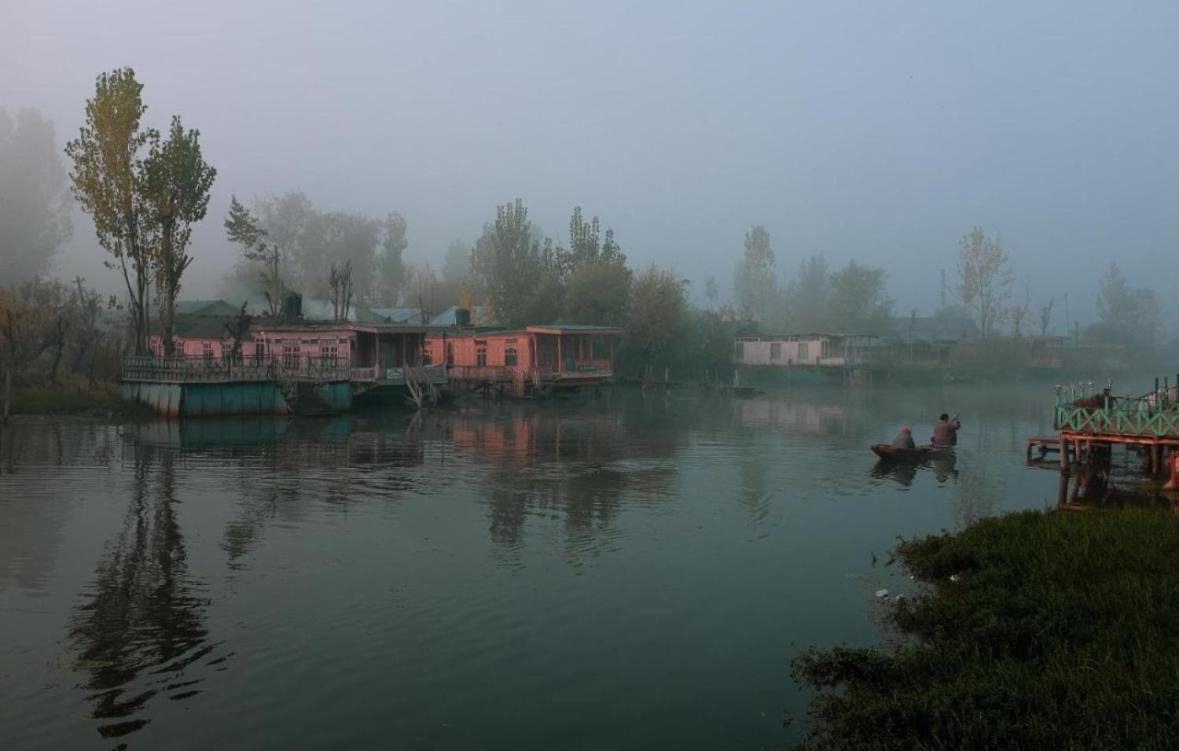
881	594
954	577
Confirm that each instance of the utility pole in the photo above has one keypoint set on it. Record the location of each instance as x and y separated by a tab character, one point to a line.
1067	321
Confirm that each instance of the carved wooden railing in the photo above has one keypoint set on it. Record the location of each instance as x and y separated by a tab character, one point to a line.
147	368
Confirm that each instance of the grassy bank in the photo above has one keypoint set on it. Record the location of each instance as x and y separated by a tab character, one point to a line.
70	397
1035	630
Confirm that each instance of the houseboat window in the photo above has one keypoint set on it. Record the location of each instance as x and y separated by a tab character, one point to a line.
208	348
329	351
450	353
510	356
740	353
825	349
803	354
290	354
427	359
481	356
776	351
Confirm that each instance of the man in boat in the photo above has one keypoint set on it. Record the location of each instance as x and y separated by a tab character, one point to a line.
904	439
945	431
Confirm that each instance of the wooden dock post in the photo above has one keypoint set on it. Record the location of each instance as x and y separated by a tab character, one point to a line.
1064	449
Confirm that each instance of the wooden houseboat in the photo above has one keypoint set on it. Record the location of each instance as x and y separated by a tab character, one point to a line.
280	366
532	360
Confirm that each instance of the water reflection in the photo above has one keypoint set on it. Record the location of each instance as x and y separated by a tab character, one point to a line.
793	415
574	467
561	553
140	624
1102	487
944	467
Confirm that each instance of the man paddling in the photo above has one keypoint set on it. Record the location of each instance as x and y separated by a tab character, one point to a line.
945	431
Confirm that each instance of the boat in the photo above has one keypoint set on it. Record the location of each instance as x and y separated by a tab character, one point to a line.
919	454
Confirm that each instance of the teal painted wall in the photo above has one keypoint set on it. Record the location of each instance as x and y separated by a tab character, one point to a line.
208	399
338	396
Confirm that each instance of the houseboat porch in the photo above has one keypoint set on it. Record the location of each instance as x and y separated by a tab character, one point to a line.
535	360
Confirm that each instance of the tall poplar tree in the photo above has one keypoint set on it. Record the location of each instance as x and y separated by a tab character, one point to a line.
176	187
107	180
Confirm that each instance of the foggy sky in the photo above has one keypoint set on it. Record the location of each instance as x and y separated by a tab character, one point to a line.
876	131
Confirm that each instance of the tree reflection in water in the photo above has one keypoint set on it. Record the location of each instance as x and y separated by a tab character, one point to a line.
141	623
545	466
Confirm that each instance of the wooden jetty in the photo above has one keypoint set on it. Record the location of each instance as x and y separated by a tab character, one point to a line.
1090	423
1043	445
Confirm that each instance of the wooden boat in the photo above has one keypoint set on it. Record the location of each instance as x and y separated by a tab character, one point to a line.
919	454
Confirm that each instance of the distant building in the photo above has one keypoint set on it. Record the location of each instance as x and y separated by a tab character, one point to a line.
937	330
927	340
821	350
806	357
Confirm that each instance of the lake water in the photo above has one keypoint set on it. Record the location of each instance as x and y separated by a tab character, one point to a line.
634	571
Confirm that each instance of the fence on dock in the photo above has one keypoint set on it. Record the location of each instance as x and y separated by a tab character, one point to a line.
1082	410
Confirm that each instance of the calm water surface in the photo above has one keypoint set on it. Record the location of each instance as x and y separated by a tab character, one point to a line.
630	572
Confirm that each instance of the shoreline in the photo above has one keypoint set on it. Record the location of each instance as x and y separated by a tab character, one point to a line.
1034	629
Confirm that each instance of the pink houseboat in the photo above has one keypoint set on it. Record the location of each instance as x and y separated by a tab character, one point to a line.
535	359
281	366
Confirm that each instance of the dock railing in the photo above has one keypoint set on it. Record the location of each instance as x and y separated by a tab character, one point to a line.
1081	409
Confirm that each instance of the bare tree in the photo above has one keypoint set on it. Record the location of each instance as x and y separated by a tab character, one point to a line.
984	278
340	285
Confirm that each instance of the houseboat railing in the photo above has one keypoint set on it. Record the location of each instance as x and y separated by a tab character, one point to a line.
435	374
490	373
150	368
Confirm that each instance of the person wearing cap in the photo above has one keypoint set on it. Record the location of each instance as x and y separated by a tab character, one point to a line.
904	439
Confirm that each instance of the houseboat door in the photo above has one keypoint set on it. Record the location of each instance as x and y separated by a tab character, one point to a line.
390	352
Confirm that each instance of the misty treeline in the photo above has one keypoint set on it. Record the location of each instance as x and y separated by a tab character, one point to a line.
289	245
855	299
145	189
47	326
851	299
524	278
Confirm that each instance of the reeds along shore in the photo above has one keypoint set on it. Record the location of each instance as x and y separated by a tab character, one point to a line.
1032	630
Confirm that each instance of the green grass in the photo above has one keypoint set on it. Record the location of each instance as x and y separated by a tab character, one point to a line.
1061	631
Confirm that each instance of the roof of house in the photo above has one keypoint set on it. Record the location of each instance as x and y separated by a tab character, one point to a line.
204	327
316	310
803	337
205	308
397	315
556	329
304	326
572	328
